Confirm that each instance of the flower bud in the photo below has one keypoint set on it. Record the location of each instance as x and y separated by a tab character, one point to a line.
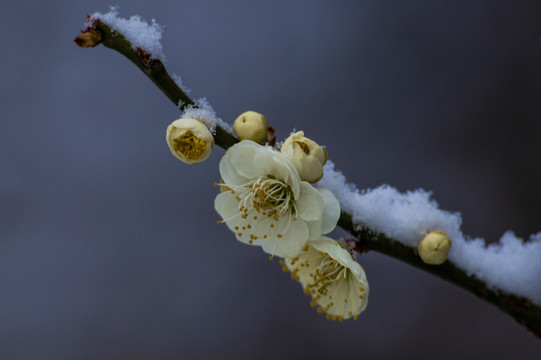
434	247
189	140
307	156
251	125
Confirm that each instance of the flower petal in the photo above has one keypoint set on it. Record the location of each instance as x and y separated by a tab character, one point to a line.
310	203
271	163
223	204
314	228
227	206
293	180
331	211
229	172
243	158
291	241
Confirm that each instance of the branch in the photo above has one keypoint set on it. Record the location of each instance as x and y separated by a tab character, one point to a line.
99	33
520	308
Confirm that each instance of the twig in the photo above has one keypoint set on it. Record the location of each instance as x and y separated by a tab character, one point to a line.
99	33
521	309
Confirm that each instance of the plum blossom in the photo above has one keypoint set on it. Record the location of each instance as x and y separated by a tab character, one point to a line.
336	282
189	140
266	204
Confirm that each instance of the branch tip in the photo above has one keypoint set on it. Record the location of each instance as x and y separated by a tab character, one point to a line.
89	37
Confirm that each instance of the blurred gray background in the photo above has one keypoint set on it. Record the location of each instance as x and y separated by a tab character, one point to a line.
109	247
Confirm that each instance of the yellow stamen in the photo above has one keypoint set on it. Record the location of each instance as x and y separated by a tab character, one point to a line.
189	145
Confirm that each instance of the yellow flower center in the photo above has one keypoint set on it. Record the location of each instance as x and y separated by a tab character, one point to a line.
189	145
269	197
328	271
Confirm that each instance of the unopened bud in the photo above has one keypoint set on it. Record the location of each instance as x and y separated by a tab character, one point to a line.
251	125
307	156
434	247
189	140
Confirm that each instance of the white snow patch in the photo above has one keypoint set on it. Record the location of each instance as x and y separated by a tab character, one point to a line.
206	114
511	265
137	31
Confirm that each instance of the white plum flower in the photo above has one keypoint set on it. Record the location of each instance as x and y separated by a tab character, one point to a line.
266	204
336	282
189	140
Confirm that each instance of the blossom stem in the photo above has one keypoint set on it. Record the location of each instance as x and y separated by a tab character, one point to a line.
521	309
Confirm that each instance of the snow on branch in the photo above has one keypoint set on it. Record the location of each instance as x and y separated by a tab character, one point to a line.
512	265
138	32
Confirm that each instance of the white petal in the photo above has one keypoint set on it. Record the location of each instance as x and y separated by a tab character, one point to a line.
244	231
331	211
271	163
293	180
294	160
229	172
310	203
291	242
242	158
314	228
226	204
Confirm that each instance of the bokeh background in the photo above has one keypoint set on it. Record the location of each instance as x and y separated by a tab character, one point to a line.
109	247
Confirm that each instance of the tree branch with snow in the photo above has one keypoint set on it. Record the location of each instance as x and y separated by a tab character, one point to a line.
507	274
